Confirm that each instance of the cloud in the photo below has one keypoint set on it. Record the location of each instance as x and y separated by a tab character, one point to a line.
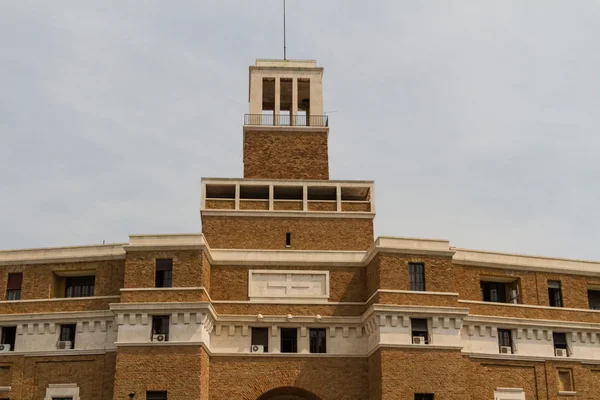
476	120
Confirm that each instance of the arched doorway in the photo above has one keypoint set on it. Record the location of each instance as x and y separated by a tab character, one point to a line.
288	393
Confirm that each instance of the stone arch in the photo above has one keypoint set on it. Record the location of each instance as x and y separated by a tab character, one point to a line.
288	393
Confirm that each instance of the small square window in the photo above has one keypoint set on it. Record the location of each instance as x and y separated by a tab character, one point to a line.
260	337
505	342
67	336
565	380
560	344
318	340
9	335
420	333
156	395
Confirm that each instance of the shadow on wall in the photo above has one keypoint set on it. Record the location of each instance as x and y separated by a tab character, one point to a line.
288	393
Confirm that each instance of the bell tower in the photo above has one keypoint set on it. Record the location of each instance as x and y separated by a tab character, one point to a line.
285	201
285	134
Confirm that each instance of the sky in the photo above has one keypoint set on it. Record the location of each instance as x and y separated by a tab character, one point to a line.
478	121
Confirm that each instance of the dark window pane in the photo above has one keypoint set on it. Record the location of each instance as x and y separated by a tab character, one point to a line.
419	328
67	334
493	291
504	338
424	396
9	334
554	294
156	395
289	340
164	272
318	340
160	325
80	286
560	340
416	274
260	337
13	286
594	299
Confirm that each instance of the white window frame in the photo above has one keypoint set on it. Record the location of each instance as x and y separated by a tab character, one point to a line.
62	390
509	394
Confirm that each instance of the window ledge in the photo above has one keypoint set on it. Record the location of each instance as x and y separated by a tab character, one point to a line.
567	393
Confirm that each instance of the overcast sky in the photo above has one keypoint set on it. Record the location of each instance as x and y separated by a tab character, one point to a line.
477	120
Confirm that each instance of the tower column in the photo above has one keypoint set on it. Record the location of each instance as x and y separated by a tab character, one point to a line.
277	108
294	111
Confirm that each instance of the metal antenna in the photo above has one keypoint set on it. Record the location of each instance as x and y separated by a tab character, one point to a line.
284	48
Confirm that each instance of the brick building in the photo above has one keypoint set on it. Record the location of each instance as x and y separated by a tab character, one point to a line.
287	295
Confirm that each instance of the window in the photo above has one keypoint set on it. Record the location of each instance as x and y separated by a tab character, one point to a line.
594	299
160	328
419	330
164	272
554	294
288	239
416	275
424	396
289	340
156	395
67	334
13	286
560	342
318	341
565	380
9	335
79	286
493	291
260	337
505	343
62	398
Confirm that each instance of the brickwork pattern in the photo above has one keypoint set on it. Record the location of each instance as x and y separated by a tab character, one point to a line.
286	155
140	268
269	233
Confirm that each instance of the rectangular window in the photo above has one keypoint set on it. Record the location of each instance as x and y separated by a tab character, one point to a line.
288	239
420	334
493	291
156	395
555	294
260	337
416	275
505	343
62	398
13	286
565	380
318	340
160	328
424	396
289	340
80	286
594	299
164	273
9	335
560	342
67	336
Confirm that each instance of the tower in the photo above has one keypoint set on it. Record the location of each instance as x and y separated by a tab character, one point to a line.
286	200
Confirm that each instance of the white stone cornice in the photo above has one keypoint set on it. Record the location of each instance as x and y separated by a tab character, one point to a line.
62	254
55	317
55	299
287	257
189	241
525	263
388	309
167	308
527	306
287	214
530	323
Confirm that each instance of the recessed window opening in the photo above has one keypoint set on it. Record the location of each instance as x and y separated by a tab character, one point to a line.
594	299
67	336
560	343
160	328
268	94
416	275
288	239
260	337
254	192
555	294
13	286
304	100
164	273
156	395
288	192
565	380
80	286
322	193
9	336
419	331
355	194
505	343
424	396
289	340
220	191
318	340
500	291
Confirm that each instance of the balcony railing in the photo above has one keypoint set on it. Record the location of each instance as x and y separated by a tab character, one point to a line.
286	120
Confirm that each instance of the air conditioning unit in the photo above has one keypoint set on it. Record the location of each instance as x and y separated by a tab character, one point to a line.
418	340
560	352
257	348
505	350
4	347
64	345
159	337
